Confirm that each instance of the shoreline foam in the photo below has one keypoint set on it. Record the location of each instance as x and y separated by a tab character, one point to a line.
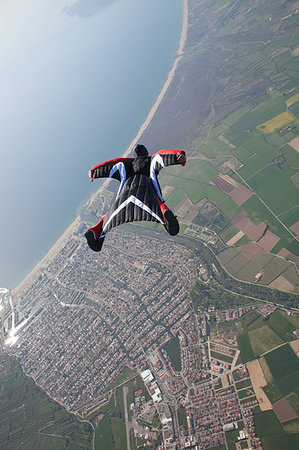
24	284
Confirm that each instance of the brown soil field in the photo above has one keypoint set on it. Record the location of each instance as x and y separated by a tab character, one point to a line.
268	241
250	250
295	346
284	411
283	253
282	284
295	227
240	195
244	224
258	381
295	142
296	51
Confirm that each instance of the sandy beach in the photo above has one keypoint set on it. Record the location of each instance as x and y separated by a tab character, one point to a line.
29	279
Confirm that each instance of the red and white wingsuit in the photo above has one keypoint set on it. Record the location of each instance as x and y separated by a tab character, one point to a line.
139	196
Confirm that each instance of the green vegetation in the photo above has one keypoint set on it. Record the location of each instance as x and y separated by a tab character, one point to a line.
291	156
221	357
112	427
253	118
182	418
243	384
29	418
103	435
272	434
284	367
293	400
267	424
258	212
280	325
263	339
245	348
273	392
282	361
204	296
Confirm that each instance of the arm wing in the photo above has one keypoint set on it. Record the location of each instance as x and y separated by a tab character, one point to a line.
167	157
162	159
114	168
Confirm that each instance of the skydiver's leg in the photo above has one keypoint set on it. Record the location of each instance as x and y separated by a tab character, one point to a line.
92	235
171	223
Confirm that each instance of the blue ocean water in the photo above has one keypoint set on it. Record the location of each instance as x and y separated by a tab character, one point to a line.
77	79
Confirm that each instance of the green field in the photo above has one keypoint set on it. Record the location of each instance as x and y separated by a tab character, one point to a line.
112	427
291	156
245	348
257	212
280	325
243	384
275	188
273	392
256	116
241	153
215	149
182	418
256	144
294	109
293	400
276	123
290	217
263	339
28	416
228	232
103	435
282	361
221	357
272	434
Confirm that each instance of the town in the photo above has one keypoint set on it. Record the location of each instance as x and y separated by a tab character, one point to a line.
88	316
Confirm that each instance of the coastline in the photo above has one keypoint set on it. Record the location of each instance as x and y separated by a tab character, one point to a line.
25	283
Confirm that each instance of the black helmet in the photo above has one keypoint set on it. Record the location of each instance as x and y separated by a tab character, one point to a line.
140	150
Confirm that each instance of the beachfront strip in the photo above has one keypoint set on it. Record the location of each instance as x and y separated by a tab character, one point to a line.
86	316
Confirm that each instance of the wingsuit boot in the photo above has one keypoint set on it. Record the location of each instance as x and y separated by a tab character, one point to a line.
171	222
92	235
93	242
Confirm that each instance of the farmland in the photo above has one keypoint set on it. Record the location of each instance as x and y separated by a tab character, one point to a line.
29	418
244	129
282	362
276	123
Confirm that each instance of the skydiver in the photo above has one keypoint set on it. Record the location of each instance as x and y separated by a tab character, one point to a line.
139	196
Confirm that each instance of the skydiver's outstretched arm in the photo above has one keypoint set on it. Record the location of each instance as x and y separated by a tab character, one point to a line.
167	157
114	168
162	159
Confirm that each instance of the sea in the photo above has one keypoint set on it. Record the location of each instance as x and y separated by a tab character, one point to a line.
77	80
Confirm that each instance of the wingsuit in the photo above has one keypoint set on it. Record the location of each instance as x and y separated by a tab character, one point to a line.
139	196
